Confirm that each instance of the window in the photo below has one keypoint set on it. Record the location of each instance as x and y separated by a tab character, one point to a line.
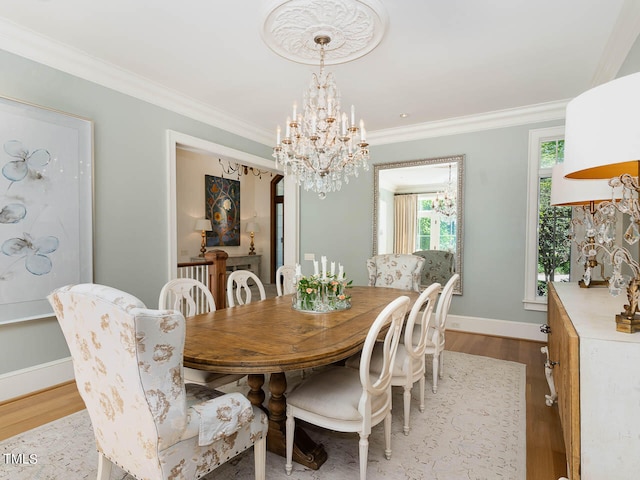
435	231
548	251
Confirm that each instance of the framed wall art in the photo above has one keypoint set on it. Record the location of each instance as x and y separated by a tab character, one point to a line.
222	207
46	206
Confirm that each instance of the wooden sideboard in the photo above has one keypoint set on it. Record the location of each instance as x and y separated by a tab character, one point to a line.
596	372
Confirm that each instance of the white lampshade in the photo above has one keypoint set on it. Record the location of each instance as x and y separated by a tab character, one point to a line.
570	192
602	132
203	224
252	227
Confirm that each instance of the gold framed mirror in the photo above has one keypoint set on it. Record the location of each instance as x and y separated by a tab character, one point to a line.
435	188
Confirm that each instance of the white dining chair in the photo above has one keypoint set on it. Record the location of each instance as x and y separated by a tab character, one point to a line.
349	400
285	278
436	340
192	297
239	290
409	366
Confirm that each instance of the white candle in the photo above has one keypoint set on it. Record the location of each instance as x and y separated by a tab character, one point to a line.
344	124
278	136
324	266
363	132
333	268
298	270
315	267
288	129
340	271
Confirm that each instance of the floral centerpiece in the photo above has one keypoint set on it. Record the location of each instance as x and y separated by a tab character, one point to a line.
321	293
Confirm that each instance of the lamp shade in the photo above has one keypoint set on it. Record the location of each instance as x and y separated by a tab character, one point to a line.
602	131
203	224
570	192
252	227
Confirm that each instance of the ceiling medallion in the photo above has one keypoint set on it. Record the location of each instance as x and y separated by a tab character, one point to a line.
355	27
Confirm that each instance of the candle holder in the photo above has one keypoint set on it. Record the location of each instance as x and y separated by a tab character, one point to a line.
317	294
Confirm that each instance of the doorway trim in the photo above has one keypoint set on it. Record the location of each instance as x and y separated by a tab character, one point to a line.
292	193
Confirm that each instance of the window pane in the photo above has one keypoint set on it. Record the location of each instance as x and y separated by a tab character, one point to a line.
554	247
424	233
551	152
448	233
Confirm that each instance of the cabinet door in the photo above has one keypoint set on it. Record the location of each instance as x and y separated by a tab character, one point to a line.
564	349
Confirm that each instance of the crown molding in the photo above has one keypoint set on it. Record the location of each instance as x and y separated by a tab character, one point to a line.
623	36
541	112
29	44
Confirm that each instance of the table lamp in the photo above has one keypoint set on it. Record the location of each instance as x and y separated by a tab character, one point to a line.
602	140
594	197
203	225
252	228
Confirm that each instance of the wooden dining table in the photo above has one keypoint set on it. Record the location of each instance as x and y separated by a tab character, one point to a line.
270	336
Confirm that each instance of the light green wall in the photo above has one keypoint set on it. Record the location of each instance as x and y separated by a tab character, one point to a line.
131	190
495	194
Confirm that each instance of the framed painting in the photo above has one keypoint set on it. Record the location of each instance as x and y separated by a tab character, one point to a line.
222	207
46	206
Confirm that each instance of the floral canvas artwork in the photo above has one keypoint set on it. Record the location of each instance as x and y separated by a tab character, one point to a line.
45	206
222	207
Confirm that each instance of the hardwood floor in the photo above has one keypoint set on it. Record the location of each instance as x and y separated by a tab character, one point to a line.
545	448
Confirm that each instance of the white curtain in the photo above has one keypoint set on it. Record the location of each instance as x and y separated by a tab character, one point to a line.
405	221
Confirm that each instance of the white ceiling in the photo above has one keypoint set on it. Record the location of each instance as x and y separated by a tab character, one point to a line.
438	60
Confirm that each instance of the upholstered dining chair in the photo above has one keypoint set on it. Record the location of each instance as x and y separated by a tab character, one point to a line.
409	365
438	267
239	290
349	400
436	340
192	297
127	361
285	276
395	271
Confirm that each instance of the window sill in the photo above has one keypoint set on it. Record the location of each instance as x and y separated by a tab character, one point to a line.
536	305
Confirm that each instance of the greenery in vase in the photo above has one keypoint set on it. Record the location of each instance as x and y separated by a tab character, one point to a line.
314	289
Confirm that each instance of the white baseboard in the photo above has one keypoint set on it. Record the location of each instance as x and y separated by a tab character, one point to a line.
31	379
501	328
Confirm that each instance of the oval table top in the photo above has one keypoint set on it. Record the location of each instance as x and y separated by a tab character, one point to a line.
269	336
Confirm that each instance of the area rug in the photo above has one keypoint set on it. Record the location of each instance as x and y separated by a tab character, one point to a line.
473	428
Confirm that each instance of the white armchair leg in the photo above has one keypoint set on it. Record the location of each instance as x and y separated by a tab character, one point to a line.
407	408
104	467
421	386
364	453
260	457
387	438
436	369
290	429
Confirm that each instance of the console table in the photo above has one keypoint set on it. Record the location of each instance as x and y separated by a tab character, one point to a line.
597	380
245	262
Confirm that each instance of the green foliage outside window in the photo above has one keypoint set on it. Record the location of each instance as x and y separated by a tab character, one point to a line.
554	247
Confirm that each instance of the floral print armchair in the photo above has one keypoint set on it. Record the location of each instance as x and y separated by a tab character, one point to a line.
439	266
395	271
128	367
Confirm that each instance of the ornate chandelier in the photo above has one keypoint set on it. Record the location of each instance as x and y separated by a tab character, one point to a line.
445	203
321	145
